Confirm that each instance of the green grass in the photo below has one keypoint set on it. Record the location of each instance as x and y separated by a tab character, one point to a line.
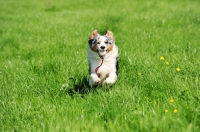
44	67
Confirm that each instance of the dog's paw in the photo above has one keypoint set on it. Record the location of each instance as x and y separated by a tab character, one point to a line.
94	80
109	81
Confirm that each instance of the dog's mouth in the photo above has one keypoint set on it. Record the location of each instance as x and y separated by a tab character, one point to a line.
102	52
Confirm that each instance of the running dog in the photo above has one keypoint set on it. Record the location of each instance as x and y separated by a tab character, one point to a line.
103	58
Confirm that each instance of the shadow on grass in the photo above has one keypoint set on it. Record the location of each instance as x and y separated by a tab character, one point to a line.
80	86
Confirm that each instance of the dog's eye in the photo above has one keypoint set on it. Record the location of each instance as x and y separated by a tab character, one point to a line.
98	42
106	42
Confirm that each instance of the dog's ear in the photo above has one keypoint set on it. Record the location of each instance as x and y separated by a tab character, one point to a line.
92	36
109	34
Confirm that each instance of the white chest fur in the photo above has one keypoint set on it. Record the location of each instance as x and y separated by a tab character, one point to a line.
109	63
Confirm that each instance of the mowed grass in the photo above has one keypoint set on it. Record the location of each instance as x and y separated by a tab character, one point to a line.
44	67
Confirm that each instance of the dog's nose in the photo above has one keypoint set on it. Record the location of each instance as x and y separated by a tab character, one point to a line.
102	47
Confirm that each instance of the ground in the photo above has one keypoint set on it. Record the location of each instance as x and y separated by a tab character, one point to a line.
44	66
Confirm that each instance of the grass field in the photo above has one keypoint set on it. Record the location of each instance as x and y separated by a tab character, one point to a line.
44	67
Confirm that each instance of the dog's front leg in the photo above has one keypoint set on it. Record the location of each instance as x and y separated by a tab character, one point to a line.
111	79
94	79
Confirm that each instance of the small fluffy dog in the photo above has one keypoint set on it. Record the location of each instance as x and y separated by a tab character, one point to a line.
103	58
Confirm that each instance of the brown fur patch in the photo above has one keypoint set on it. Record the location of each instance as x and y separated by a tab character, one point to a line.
109	48
110	34
106	42
93	48
93	35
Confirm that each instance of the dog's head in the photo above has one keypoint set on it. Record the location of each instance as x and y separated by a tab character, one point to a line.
101	44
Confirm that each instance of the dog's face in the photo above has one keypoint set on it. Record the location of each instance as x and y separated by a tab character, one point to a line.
101	44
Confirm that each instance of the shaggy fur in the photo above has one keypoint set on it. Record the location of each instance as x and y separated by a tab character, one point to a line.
103	57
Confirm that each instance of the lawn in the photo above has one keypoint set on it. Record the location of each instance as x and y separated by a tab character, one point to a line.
44	67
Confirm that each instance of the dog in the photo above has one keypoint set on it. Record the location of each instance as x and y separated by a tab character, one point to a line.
103	59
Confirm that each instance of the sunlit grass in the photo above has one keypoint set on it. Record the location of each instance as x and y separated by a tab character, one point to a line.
44	67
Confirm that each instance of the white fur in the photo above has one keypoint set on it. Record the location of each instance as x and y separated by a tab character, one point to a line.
108	69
